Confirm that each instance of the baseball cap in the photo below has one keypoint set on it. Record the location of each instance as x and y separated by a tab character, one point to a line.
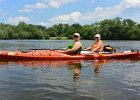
77	34
97	36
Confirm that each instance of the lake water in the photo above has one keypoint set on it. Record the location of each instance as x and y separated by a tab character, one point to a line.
69	80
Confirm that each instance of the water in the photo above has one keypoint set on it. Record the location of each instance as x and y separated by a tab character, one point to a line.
69	80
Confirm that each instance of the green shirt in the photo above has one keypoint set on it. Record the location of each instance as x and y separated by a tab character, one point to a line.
71	45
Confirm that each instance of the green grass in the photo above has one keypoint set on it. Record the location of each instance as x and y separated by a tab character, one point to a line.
58	38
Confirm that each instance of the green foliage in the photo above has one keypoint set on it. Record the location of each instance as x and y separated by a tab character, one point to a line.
23	31
110	29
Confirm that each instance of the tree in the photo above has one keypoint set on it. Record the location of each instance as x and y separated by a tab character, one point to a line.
110	29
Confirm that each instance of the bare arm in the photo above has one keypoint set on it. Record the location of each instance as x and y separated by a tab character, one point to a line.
89	48
97	47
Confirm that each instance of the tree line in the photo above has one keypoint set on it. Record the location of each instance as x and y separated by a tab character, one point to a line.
110	29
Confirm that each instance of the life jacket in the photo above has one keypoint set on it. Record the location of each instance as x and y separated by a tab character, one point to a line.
108	48
71	45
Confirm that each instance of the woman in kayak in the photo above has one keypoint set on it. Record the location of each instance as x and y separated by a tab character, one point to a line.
98	45
74	47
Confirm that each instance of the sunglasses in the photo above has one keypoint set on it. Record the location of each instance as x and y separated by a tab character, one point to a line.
75	36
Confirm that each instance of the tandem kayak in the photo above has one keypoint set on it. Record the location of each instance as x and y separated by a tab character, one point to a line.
56	55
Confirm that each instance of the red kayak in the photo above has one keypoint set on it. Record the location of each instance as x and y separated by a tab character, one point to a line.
56	55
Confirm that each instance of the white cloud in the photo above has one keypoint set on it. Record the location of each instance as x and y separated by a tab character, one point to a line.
58	3
18	19
42	4
29	8
98	14
26	10
130	3
38	5
89	17
102	13
43	24
73	17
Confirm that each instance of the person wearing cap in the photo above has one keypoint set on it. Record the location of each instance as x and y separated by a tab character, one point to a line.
98	45
74	47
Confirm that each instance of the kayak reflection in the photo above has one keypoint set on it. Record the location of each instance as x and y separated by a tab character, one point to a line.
73	65
98	64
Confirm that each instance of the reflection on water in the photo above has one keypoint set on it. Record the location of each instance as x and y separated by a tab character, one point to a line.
97	64
76	67
44	79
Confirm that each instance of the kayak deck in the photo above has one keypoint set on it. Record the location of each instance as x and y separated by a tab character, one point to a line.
55	55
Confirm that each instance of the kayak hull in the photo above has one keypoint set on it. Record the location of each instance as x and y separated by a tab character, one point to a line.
55	55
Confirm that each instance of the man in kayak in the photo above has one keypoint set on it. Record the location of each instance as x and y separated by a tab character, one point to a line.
98	45
74	47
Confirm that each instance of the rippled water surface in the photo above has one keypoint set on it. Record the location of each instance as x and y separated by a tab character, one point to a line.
69	80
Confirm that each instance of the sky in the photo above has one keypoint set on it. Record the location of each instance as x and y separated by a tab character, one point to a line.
50	12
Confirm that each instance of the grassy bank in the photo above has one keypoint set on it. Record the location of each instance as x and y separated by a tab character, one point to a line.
58	38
